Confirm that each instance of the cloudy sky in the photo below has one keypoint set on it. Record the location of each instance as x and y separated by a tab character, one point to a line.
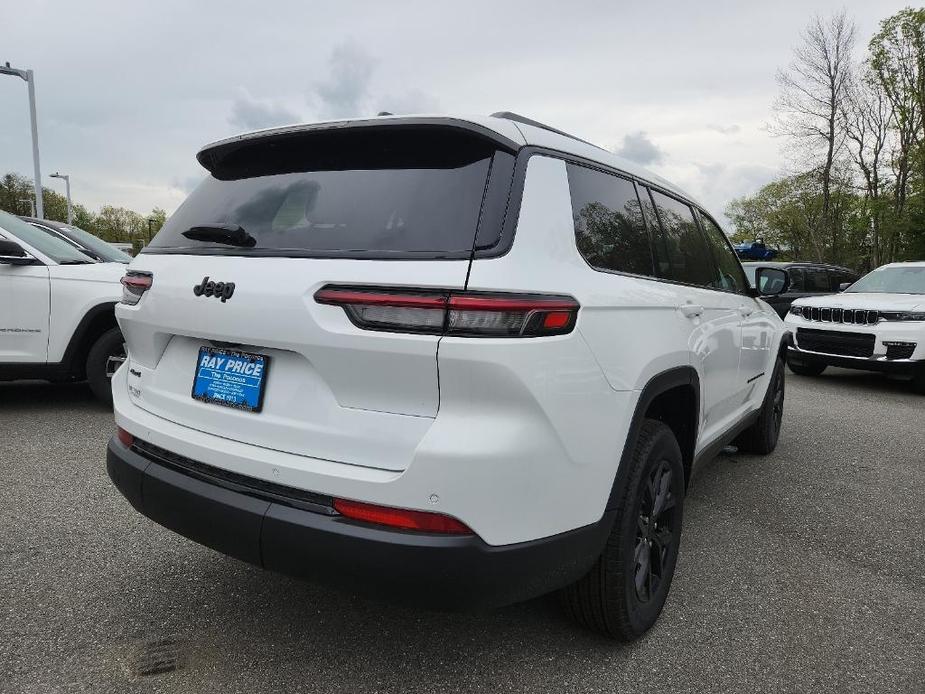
129	91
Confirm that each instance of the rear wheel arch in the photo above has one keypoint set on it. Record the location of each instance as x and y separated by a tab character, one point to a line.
96	321
673	398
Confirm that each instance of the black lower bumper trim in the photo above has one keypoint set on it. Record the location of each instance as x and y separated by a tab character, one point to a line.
900	368
442	571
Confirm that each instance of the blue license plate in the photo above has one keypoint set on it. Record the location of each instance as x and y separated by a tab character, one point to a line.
230	378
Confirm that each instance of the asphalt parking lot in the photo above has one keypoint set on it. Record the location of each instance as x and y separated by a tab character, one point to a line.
803	571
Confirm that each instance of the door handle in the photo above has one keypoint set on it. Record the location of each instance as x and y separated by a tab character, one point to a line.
691	310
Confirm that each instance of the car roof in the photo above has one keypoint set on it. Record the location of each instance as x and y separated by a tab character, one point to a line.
797	263
46	222
508	129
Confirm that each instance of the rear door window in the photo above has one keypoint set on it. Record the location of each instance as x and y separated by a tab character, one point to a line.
396	191
609	229
682	249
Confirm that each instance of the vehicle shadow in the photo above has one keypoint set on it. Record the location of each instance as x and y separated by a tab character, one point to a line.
41	395
225	613
869	381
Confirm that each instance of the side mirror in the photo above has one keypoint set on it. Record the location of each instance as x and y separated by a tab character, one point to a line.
770	281
844	285
11	253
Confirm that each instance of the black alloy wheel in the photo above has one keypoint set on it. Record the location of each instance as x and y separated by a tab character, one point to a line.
655	535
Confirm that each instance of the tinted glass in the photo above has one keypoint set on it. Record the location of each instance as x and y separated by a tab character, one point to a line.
684	254
107	252
609	230
797	279
404	191
54	247
817	280
750	273
892	280
839	277
729	272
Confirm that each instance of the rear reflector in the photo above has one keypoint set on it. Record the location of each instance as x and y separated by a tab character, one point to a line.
125	438
438	312
405	519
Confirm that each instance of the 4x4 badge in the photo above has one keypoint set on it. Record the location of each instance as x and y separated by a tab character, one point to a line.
222	290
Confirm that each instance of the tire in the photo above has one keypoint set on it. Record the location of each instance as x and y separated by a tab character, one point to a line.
761	437
107	352
805	368
607	599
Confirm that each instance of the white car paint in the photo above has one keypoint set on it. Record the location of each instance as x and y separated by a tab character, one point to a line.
883	330
518	439
42	304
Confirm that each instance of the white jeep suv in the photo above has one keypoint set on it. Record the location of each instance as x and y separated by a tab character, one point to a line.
876	324
455	361
56	310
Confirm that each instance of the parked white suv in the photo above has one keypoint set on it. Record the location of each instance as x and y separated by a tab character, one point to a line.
56	310
876	324
456	361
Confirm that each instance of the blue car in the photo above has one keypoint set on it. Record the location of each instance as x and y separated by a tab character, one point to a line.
754	250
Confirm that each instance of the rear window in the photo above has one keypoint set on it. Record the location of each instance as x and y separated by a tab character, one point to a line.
609	230
380	193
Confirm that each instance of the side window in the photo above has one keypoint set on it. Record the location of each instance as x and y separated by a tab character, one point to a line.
661	263
839	277
609	228
797	279
683	249
730	275
817	280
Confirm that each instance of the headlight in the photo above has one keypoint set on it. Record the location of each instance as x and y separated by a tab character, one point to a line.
796	310
903	315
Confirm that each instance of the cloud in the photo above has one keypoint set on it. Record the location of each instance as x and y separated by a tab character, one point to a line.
248	113
414	101
724	129
186	184
639	148
345	93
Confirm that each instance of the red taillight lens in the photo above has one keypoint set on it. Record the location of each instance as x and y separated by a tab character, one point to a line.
134	284
439	312
419	312
125	438
405	519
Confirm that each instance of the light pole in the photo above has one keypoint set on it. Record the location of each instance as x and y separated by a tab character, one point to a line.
30	81
67	185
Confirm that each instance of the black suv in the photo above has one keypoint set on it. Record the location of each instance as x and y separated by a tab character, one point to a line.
803	279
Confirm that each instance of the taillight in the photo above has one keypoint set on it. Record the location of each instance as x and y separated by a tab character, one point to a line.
436	312
134	284
405	519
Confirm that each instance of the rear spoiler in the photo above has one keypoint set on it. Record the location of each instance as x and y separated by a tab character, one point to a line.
213	155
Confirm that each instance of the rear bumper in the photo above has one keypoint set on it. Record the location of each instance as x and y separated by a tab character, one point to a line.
899	367
416	568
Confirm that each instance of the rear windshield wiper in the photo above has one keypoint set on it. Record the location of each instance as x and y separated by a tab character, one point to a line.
232	234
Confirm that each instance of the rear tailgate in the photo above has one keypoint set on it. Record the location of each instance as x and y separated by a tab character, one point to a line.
332	390
281	218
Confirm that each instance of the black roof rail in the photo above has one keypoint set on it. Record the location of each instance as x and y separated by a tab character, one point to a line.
517	118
